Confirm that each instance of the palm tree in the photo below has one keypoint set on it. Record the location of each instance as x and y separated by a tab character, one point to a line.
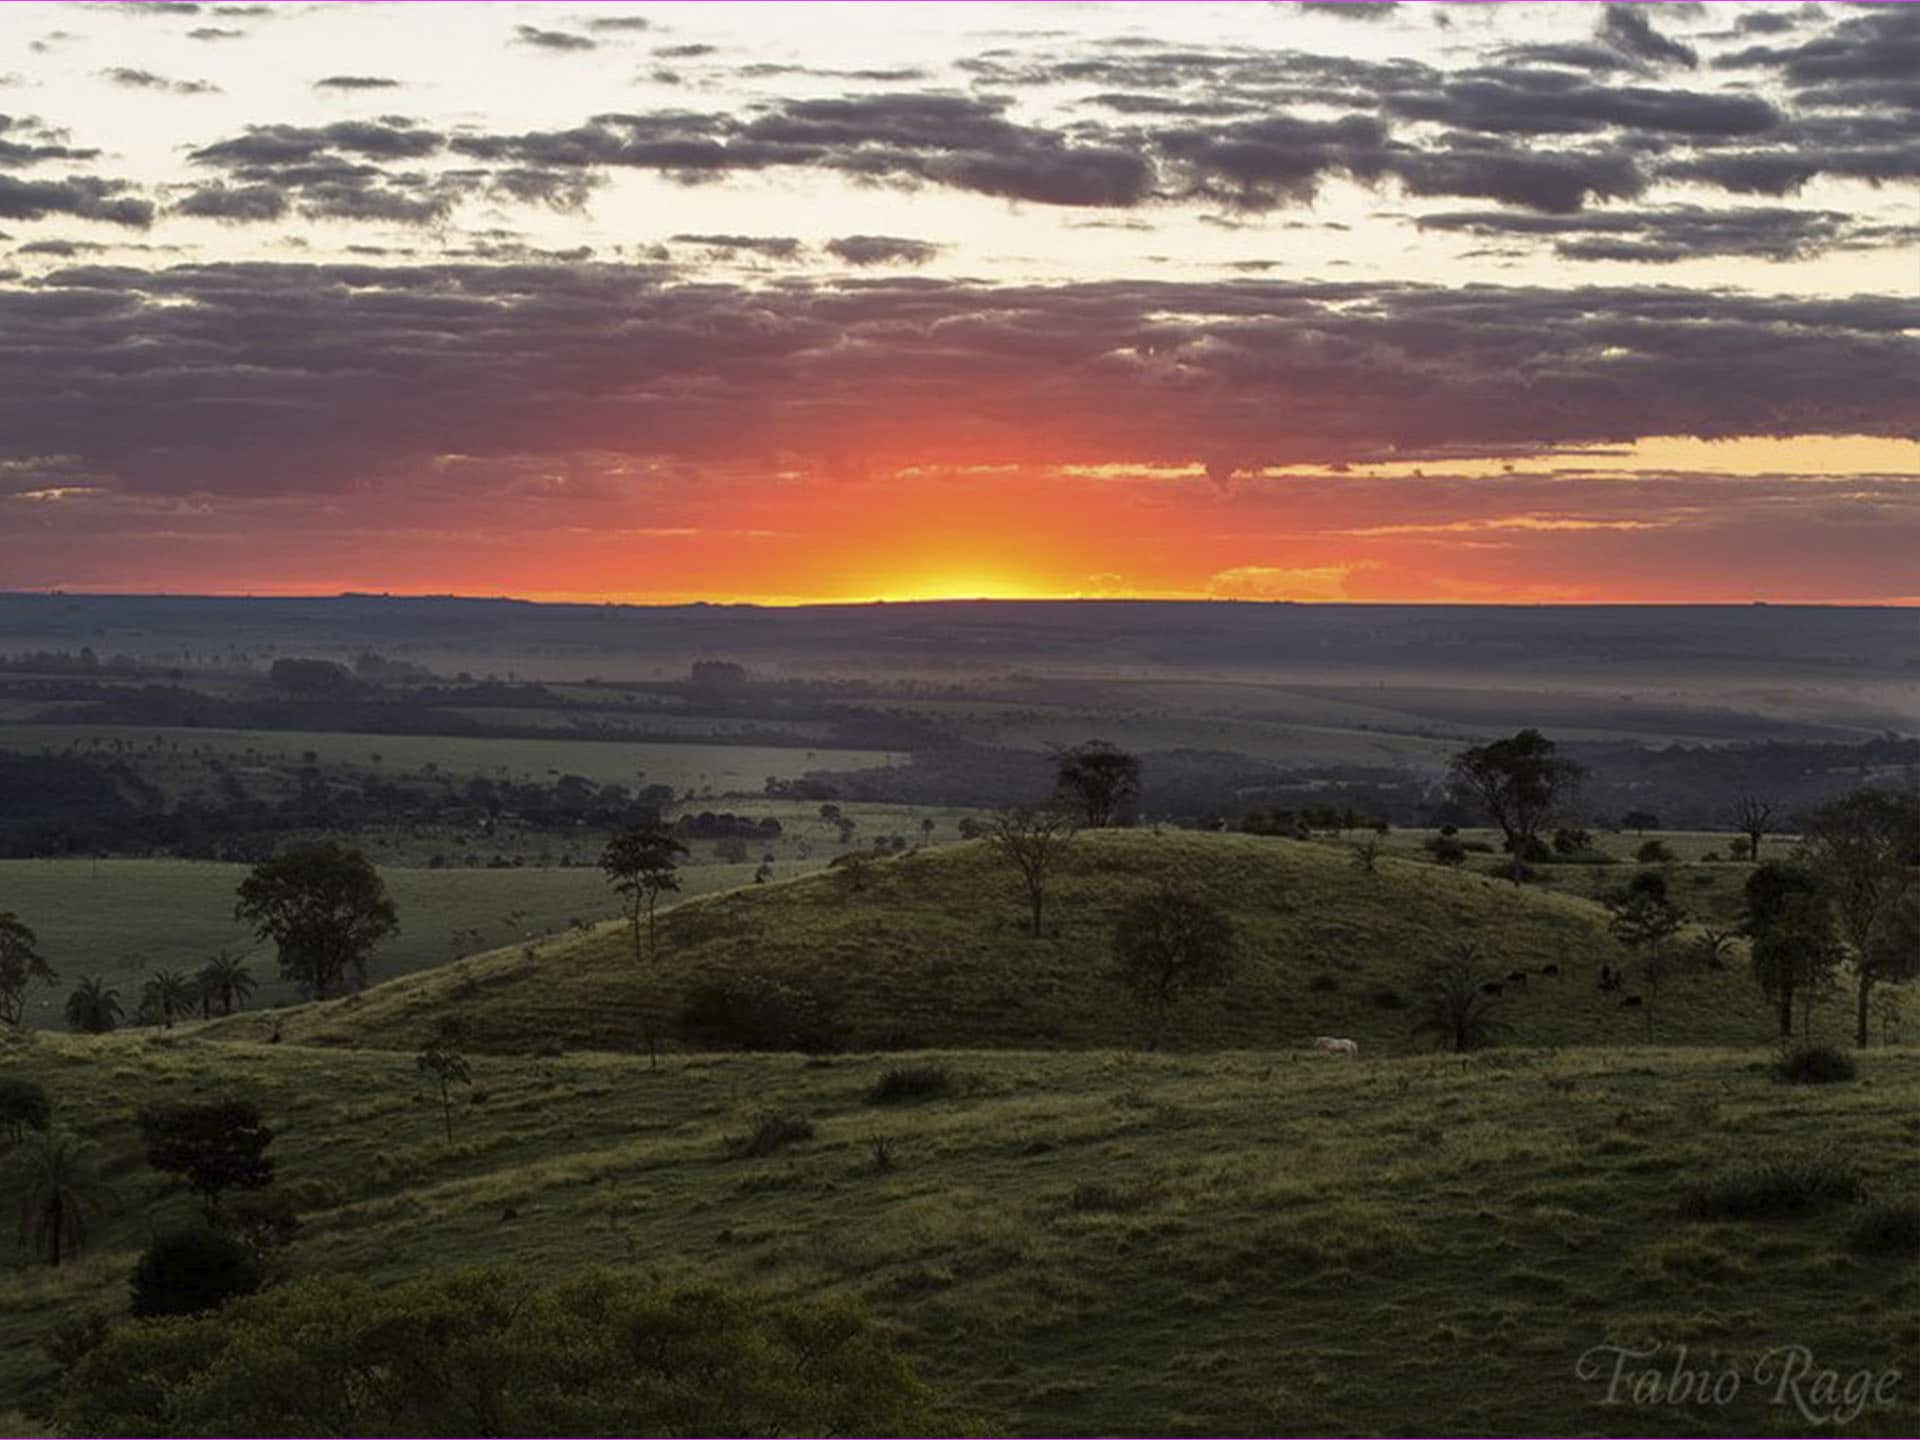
92	1008
166	994
1456	1004
225	979
59	1189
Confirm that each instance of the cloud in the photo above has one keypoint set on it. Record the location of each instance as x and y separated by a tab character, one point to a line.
356	82
1681	232
132	79
1351	9
1627	29
617	23
213	33
864	250
36	143
726	247
552	39
1277	582
83	196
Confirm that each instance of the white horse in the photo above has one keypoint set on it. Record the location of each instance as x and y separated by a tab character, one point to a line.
1329	1045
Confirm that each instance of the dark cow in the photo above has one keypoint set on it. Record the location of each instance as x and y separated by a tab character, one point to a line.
1553	970
1632	1002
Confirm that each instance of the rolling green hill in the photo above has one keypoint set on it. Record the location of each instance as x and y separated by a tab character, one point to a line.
1092	1242
932	950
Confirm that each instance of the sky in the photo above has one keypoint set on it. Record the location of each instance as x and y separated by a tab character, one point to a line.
787	302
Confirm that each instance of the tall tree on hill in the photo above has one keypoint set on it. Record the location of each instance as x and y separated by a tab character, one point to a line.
325	907
1168	944
1033	841
639	863
21	964
1790	923
166	995
1100	781
225	981
1455	1003
1754	818
1865	847
1521	784
214	1146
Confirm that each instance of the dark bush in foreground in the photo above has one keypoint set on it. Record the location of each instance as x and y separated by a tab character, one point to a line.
1814	1065
1094	1196
752	1012
23	1106
485	1352
771	1133
1779	1190
911	1082
1886	1230
185	1272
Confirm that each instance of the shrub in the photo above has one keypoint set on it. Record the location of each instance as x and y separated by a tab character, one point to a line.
1388	1000
1447	850
1323	984
1813	1065
1886	1230
1777	1190
185	1272
1654	852
70	1341
772	1133
755	1012
477	1352
911	1082
1097	1196
23	1106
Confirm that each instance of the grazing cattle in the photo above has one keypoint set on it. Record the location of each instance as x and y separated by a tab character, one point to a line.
1609	978
1632	1002
1491	987
1553	970
1518	977
1329	1045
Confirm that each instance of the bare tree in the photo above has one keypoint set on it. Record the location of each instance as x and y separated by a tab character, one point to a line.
1754	818
1033	841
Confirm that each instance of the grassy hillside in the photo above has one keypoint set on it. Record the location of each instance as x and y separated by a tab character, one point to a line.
933	951
1236	1243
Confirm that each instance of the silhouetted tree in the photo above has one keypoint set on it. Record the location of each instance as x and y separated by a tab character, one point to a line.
1455	1004
444	1066
1754	818
166	994
225	981
325	907
58	1189
1169	944
215	1146
1033	841
23	1106
1645	922
21	964
1790	924
192	1270
1521	785
1865	847
1100	781
639	863
93	1008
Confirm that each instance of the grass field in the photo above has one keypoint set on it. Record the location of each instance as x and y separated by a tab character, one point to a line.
1100	1242
933	951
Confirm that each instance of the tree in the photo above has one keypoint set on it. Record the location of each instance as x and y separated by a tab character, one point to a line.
444	1066
1033	841
1100	781
486	1352
1645	922
325	907
1456	1004
214	1146
1790	923
21	964
23	1106
1366	855
1753	817
1521	785
1865	847
1169	944
58	1190
639	863
226	981
166	994
192	1270
93	1008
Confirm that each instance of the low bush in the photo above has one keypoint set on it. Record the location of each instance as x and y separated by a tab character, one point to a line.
1814	1065
906	1083
771	1133
1778	1190
755	1012
1091	1196
188	1271
1388	1000
23	1106
1886	1230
